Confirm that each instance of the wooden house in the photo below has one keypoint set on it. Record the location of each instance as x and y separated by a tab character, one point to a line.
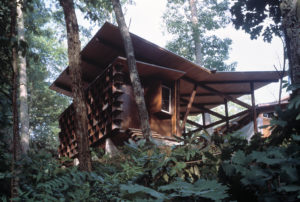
173	88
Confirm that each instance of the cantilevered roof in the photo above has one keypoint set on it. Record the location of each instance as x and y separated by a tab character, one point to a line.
107	45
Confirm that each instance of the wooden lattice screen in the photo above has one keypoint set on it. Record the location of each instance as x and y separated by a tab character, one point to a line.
104	105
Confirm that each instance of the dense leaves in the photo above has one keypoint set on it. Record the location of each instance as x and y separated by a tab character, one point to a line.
268	169
258	17
211	16
199	168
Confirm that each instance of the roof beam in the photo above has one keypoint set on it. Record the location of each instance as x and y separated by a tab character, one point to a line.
63	86
213	94
194	123
231	81
253	108
228	97
204	109
205	103
219	122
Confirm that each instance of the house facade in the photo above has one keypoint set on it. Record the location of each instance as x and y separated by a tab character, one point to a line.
174	88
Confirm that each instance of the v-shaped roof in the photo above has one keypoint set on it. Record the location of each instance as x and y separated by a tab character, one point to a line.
107	45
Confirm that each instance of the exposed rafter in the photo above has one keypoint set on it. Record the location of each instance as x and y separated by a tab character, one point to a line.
213	94
212	90
189	106
204	109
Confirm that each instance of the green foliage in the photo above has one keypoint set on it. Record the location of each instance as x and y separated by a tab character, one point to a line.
267	169
43	179
46	56
197	169
6	43
258	17
211	16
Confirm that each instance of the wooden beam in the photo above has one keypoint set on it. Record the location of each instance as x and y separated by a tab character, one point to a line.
208	126
226	114
189	106
232	81
174	108
239	114
205	109
194	123
213	94
228	97
178	129
253	107
206	103
203	119
219	122
63	86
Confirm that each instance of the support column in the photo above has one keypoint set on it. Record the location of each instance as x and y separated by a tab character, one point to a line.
203	119
226	114
189	106
174	108
178	129
253	107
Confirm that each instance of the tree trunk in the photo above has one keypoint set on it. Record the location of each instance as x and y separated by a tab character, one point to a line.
198	53
290	10
16	139
134	76
24	117
79	100
196	34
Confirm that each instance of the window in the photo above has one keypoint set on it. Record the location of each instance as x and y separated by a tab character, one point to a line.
166	99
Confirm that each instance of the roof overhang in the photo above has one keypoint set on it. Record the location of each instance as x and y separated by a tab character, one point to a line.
107	45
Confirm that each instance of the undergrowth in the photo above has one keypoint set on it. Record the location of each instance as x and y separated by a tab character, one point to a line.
201	168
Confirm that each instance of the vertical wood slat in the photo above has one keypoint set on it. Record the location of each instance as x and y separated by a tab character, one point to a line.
253	107
189	106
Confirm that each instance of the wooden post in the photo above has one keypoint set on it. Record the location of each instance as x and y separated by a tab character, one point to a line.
226	114
178	129
189	106
253	107
203	119
174	108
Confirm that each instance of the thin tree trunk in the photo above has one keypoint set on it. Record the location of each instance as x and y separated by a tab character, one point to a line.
198	53
81	121
16	139
196	34
24	117
290	10
134	76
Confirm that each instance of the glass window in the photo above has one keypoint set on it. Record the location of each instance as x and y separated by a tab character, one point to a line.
166	99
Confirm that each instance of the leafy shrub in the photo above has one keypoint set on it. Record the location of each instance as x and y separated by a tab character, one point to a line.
267	169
